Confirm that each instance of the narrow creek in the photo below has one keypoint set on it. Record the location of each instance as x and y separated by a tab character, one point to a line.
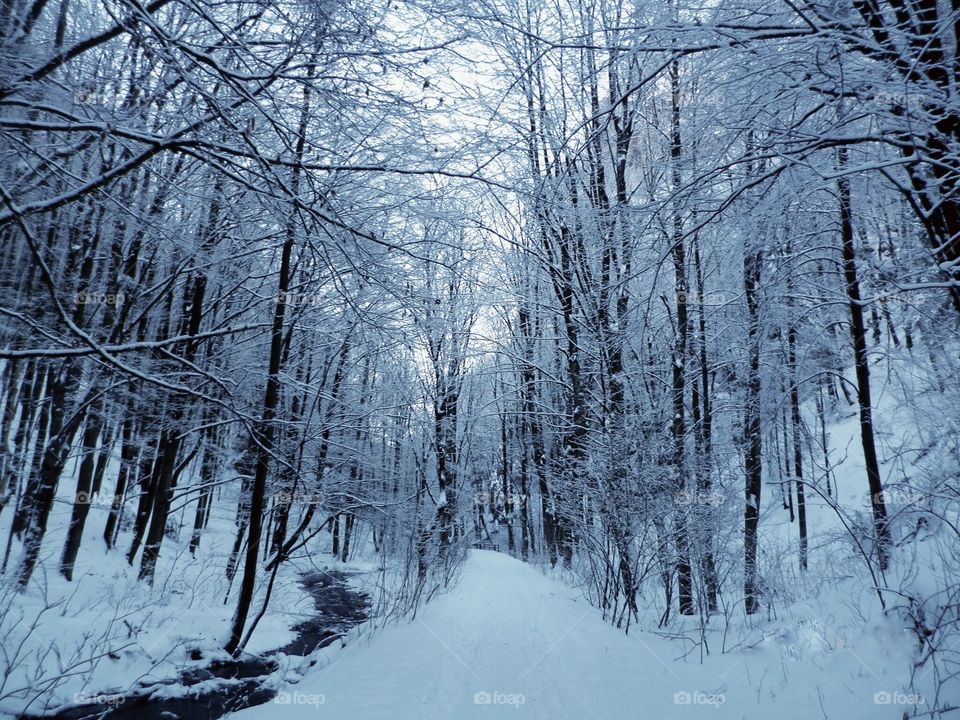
231	685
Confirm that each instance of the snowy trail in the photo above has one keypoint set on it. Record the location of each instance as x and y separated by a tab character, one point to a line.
509	642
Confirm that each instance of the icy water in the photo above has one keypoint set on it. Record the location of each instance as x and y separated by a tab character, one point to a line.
337	609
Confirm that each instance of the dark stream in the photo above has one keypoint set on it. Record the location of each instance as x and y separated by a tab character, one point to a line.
337	609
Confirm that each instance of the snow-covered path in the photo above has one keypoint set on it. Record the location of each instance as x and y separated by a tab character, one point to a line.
508	642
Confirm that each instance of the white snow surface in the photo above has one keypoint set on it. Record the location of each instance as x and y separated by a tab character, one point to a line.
509	642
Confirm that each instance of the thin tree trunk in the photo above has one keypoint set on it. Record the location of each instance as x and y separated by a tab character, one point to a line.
752	264
271	394
528	387
348	520
208	472
822	416
84	493
861	360
679	361
703	439
797	441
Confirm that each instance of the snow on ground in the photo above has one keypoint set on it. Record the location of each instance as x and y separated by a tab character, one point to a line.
107	632
506	640
509	642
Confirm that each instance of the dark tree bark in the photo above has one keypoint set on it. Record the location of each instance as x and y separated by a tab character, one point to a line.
265	431
702	416
172	435
84	493
208	474
146	478
795	422
287	546
858	334
678	426
538	452
795	419
508	509
348	520
752	263
822	417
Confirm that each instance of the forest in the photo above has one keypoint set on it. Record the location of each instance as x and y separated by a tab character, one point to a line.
491	317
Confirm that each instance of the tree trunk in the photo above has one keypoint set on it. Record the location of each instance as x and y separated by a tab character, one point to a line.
208	473
752	264
703	441
271	394
797	441
858	335
84	493
679	361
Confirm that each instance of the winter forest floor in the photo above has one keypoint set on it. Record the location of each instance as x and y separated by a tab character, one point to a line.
509	642
506	638
405	360
207	691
